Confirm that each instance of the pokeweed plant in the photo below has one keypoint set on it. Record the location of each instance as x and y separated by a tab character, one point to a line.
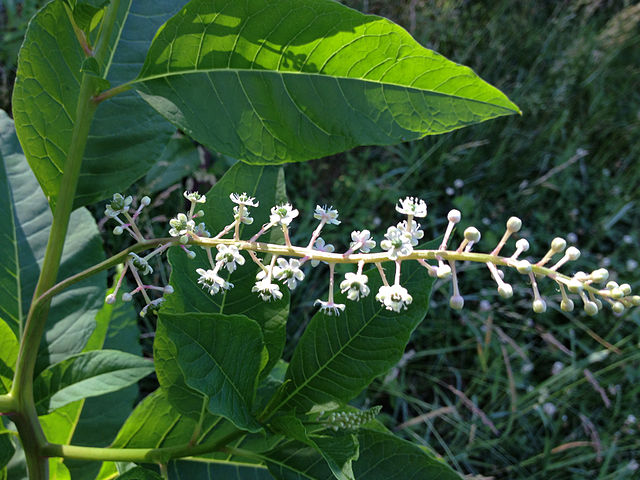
101	87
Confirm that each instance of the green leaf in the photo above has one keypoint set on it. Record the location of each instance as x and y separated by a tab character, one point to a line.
267	185
183	470
178	160
88	16
25	214
273	81
88	374
6	448
295	460
9	347
338	450
139	473
126	136
218	355
338	356
386	457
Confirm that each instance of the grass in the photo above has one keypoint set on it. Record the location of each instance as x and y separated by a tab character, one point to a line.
484	387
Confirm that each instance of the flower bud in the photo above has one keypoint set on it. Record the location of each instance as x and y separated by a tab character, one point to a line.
635	300
539	305
126	297
626	288
611	285
145	201
616	293
558	244
617	307
600	275
168	289
472	234
591	308
522	244
118	230
573	253
523	267
111	299
456	302
514	224
191	254
575	285
505	290
454	216
567	305
184	239
443	271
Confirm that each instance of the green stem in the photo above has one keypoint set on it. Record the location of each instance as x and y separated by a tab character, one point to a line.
26	417
142	455
112	92
7	403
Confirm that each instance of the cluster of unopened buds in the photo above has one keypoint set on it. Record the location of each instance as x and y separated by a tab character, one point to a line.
285	265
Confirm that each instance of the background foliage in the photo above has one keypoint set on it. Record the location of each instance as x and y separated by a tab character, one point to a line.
478	385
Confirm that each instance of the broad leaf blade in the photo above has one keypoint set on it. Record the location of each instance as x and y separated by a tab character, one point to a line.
219	356
337	357
273	81
9	347
126	136
139	473
88	374
27	222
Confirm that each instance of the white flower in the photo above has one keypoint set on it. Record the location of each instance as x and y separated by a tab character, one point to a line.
321	246
230	256
355	286
181	225
283	214
412	206
362	241
262	274
394	297
328	214
141	264
397	242
244	199
414	231
195	197
330	308
245	218
288	272
267	291
119	204
212	282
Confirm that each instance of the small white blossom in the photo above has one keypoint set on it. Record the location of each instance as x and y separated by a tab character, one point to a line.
355	286
245	218
212	282
141	264
119	204
230	255
201	230
363	239
244	199
195	197
288	272
267	291
397	242
262	274
412	206
181	225
394	297
283	214
414	231
328	214
321	246
330	308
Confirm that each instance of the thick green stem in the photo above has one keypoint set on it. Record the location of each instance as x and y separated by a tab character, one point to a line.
26	417
142	455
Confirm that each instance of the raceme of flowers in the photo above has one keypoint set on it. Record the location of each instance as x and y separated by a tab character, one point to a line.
285	266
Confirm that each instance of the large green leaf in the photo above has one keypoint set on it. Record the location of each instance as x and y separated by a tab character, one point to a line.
27	220
87	374
214	471
338	356
179	159
139	473
267	184
218	355
126	136
273	81
386	457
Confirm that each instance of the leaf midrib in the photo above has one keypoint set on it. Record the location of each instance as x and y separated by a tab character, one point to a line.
314	74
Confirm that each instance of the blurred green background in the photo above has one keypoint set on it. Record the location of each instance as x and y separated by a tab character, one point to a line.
497	390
